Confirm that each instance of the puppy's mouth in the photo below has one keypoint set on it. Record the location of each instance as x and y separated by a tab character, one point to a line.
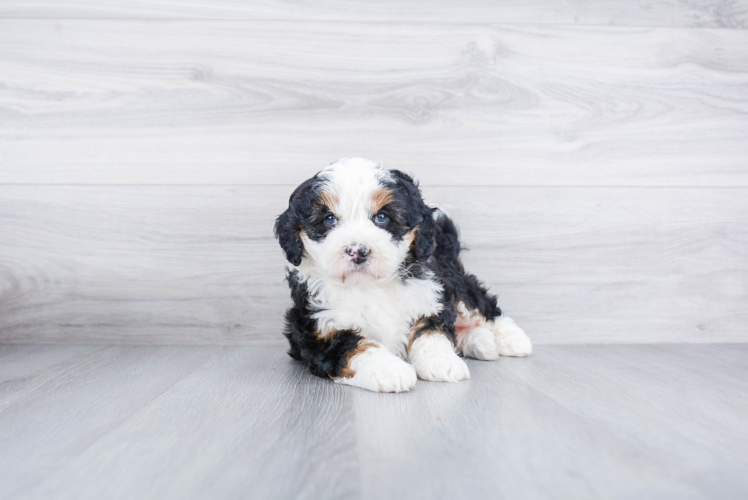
363	272
357	270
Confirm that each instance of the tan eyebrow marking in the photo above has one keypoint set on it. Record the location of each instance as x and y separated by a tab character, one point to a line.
380	198
330	200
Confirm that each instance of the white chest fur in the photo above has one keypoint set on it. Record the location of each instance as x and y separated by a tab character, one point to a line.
380	311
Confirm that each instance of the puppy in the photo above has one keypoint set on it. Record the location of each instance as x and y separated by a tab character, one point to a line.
380	296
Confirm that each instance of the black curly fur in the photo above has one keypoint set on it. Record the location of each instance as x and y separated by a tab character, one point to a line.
414	213
324	357
458	284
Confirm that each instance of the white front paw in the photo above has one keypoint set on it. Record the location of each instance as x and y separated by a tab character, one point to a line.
511	340
434	359
378	370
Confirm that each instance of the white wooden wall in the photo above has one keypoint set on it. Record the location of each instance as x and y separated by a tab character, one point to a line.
146	147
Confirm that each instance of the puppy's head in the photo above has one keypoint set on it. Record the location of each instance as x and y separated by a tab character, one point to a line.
355	221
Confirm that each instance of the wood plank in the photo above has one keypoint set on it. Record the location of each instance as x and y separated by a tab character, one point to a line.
578	422
665	376
669	387
79	401
249	423
25	367
133	102
199	265
493	436
141	264
706	13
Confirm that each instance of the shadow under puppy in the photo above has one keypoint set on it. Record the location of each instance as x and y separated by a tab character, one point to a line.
376	280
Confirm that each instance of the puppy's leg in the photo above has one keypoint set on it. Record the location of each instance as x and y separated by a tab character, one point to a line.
474	305
511	340
474	338
482	339
478	343
375	368
350	359
432	353
342	355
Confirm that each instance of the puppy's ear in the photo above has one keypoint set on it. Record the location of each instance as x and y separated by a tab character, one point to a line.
420	215
288	224
287	227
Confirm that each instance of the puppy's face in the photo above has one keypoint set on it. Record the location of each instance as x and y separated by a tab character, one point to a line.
356	222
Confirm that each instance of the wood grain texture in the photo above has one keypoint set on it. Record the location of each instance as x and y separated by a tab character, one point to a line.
578	422
199	265
247	417
705	13
494	438
78	401
136	102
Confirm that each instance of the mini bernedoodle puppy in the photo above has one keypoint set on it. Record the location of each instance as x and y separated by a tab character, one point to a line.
379	293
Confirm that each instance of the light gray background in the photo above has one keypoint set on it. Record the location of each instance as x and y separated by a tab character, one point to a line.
595	156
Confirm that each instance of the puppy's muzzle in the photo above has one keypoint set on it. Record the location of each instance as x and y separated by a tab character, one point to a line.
357	253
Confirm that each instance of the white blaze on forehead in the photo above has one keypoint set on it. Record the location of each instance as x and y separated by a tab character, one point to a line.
354	181
353	190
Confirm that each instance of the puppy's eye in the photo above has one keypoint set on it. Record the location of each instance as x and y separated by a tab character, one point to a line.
331	220
381	218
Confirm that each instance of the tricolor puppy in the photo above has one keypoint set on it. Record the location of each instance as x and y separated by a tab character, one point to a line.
380	295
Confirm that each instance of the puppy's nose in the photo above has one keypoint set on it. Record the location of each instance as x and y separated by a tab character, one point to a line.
359	253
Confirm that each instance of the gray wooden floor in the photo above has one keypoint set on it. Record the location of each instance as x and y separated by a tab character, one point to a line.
654	421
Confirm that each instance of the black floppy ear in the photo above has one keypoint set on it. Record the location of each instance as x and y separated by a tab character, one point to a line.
287	231
420	215
288	224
